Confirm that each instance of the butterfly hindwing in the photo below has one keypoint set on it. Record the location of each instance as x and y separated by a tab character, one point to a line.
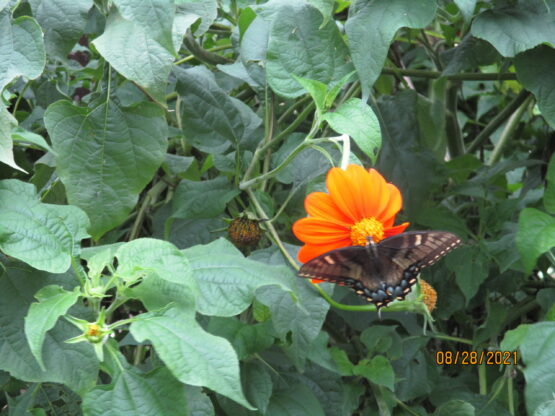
385	271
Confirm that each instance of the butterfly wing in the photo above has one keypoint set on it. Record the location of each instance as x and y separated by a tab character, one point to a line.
385	271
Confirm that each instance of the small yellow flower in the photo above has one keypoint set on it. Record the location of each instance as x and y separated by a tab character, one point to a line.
430	295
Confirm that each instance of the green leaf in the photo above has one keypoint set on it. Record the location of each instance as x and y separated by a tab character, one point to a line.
131	50
533	70
202	199
317	91
455	408
155	17
42	235
471	268
212	120
516	28
325	7
74	365
466	7
371	27
227	280
207	10
258	384
514	337
21	48
298	46
356	119
471	53
545	409
198	403
295	399
549	194
53	302
7	121
181	343
378	370
113	150
538	356
535	236
156	393
22	136
63	23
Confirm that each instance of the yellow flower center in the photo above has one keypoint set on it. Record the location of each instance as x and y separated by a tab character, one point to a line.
367	227
93	330
430	295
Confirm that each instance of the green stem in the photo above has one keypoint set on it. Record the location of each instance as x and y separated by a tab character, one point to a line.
202	54
291	128
497	121
510	393
20	96
405	407
293	107
211	51
508	132
509	76
482	381
79	271
450	338
455	141
292	192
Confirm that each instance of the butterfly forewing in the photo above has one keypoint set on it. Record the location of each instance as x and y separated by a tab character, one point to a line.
385	271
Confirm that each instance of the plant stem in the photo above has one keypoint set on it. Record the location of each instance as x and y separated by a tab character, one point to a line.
510	397
300	118
508	132
450	338
497	121
211	50
465	76
482	381
455	142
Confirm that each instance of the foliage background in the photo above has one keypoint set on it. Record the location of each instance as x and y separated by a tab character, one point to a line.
131	132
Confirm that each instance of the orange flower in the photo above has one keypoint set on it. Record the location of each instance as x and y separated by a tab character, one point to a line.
359	204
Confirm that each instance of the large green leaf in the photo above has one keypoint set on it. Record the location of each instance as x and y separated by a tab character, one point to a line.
7	121
130	49
378	370
132	392
74	365
371	27
227	280
537	351
466	7
294	400
202	199
193	355
63	23
534	69
298	46
356	119
21	48
106	155
53	302
535	236
154	16
549	195
516	28
207	10
455	408
471	268
42	235
212	120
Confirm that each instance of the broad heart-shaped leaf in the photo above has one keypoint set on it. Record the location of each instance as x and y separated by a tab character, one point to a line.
371	26
356	119
21	48
298	46
212	120
53	302
534	70
227	281
549	195
131	50
131	392
378	370
63	23
7	121
537	351
154	16
471	268
43	235
535	236
204	199
295	399
74	365
106	155
193	355
471	53
516	28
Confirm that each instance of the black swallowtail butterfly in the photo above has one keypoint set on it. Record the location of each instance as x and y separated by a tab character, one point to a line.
385	271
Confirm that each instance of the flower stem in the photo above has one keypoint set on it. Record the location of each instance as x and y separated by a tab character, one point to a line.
450	338
464	76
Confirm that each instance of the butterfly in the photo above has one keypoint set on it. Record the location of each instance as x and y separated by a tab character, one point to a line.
385	271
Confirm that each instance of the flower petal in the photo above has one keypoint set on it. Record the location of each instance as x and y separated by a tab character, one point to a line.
398	229
320	204
319	231
345	191
310	251
394	204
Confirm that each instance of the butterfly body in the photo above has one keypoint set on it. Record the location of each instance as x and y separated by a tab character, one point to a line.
385	271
